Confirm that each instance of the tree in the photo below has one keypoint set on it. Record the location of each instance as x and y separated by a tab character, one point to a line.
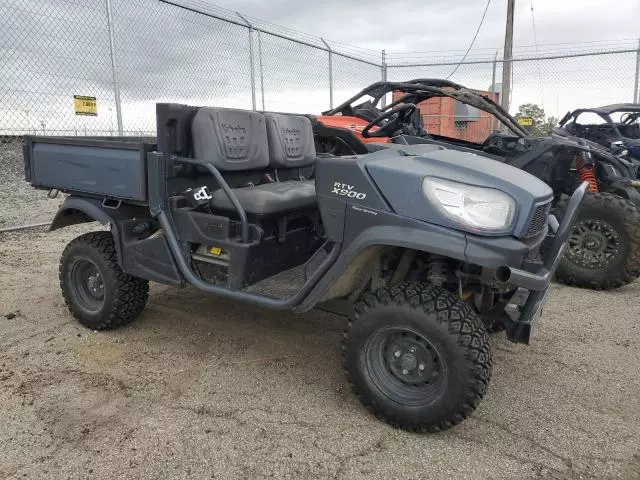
537	116
549	124
540	127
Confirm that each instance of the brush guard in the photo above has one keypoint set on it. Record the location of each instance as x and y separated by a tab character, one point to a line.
526	305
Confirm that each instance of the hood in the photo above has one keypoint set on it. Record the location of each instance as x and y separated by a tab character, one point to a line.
399	173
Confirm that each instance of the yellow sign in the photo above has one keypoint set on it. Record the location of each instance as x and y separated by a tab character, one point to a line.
526	121
85	105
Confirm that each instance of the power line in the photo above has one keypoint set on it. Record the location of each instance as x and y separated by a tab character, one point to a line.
484	14
533	21
535	42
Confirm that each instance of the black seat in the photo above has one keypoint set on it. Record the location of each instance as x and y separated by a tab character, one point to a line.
269	198
290	139
235	140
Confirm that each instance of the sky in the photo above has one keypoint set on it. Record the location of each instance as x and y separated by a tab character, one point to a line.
51	50
442	31
407	25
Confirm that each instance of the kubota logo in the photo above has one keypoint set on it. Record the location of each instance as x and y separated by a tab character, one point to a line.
236	130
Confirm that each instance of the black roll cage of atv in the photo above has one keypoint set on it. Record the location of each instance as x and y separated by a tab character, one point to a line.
421	89
605	113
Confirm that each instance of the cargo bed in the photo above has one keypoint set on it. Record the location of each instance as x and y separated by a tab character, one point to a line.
113	167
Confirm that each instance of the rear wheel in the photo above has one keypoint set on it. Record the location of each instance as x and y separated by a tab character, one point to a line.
603	249
417	356
96	290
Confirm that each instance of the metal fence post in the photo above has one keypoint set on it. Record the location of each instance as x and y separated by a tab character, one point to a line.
383	68
261	71
330	52
251	61
493	87
636	93
114	67
493	74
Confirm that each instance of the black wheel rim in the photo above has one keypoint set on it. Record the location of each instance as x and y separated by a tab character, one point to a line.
593	244
405	366
87	284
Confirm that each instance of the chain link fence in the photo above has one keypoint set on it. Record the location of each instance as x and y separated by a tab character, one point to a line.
130	54
187	52
557	83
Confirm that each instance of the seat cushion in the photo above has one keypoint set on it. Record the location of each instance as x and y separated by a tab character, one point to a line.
291	143
230	139
269	198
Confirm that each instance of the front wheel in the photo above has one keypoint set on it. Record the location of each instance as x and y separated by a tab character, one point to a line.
603	249
417	356
96	290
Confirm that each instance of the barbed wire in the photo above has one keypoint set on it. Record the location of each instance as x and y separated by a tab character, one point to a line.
525	50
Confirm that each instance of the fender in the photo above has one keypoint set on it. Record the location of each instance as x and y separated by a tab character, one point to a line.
623	189
441	241
76	210
490	252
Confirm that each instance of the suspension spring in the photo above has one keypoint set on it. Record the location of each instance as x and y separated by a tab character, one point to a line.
587	174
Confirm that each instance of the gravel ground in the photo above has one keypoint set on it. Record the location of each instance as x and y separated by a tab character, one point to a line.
201	387
19	203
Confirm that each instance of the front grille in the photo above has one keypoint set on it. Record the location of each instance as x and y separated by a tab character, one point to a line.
538	219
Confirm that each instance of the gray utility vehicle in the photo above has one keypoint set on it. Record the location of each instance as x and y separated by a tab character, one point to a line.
431	247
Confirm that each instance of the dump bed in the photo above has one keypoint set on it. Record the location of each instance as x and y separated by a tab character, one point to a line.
113	167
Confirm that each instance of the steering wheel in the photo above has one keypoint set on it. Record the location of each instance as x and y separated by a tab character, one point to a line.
494	144
403	112
504	145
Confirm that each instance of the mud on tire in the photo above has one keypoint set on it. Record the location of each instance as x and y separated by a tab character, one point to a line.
417	356
96	290
603	250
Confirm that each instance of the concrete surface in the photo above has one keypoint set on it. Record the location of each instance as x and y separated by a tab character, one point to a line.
19	203
200	387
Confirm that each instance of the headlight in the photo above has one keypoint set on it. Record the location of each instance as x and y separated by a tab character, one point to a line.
476	208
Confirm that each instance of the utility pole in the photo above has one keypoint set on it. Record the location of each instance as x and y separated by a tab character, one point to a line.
507	57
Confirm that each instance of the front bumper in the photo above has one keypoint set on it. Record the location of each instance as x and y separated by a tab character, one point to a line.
525	307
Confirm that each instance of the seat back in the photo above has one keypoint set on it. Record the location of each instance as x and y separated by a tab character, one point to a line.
230	139
290	139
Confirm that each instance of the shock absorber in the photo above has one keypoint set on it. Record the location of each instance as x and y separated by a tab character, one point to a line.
437	270
587	173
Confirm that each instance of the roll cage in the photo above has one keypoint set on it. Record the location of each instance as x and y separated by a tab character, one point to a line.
421	89
605	114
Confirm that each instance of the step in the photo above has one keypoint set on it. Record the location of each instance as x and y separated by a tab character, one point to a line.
282	285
